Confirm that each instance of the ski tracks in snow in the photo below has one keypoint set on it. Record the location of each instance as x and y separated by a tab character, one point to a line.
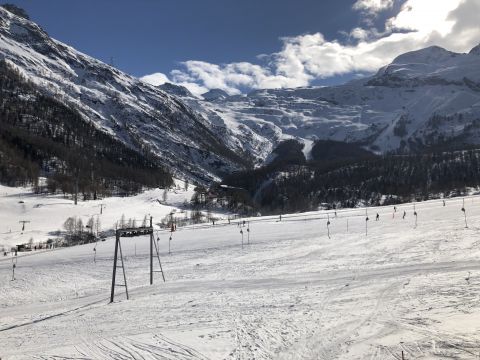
141	347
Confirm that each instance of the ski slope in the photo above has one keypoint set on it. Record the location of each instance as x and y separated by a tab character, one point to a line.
47	213
291	293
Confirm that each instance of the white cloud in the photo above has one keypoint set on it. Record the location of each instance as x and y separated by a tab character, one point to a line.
235	76
372	6
425	16
359	33
452	24
155	79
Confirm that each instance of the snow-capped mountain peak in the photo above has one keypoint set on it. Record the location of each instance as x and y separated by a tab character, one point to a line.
143	117
429	55
176	90
424	97
215	94
475	50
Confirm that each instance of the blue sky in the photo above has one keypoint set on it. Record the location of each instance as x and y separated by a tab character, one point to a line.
240	45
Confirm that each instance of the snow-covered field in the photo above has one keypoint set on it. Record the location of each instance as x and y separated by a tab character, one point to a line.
47	214
292	293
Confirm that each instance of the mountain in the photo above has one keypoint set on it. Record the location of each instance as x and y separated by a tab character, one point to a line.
142	117
423	99
475	50
176	90
215	94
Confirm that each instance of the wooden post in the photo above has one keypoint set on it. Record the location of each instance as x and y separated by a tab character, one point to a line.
416	215
366	222
151	252
76	186
328	225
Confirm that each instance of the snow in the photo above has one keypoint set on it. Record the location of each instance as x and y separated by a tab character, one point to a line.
292	293
307	148
47	214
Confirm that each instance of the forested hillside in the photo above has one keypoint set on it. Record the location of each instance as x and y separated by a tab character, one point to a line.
354	177
42	137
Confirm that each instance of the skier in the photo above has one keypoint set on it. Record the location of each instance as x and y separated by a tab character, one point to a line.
378	217
443	202
404	214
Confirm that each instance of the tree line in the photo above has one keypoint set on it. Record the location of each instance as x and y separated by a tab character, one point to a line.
352	179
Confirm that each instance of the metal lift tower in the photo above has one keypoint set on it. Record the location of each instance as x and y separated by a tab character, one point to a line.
131	232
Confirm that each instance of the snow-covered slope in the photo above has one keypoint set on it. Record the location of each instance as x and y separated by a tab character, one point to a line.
140	115
293	293
423	98
46	214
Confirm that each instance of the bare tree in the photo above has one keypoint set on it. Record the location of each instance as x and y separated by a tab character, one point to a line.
91	224
70	225
79	227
